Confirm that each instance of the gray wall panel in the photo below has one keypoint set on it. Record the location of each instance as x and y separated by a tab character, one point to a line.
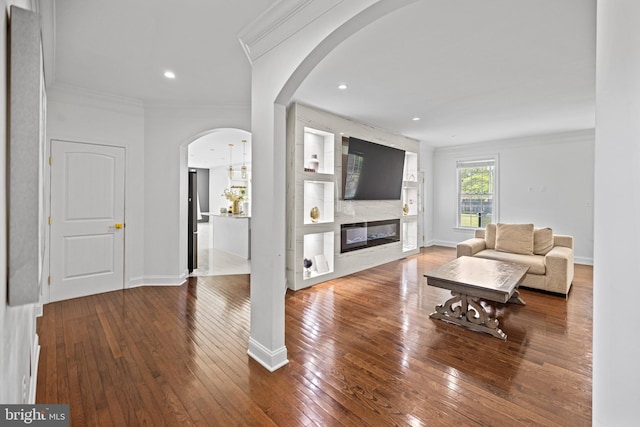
24	154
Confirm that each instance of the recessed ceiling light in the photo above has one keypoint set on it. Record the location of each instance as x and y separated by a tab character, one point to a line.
342	86
169	74
415	119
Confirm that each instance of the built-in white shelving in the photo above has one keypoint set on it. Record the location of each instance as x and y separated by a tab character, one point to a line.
410	167
409	235
318	199
410	201
314	207
318	248
319	144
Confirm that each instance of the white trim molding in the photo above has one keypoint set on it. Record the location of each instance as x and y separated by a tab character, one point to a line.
278	23
156	281
271	360
35	360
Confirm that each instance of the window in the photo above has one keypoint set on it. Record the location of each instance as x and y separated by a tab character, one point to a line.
476	193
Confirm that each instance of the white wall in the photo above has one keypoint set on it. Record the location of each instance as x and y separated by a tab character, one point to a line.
167	132
546	180
426	167
80	116
616	342
218	182
156	176
17	324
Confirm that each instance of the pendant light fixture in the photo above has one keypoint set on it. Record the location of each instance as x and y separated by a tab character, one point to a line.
230	167
243	169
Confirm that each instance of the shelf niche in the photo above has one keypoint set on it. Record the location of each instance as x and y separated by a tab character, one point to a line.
410	167
410	199
318	194
409	236
318	247
320	144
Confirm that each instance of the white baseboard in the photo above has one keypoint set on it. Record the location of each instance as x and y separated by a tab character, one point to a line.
445	244
271	360
583	260
156	281
135	283
33	381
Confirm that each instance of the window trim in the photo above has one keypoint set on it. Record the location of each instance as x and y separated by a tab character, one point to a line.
496	187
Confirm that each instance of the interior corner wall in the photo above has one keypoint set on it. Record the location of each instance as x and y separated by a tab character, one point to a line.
77	116
155	139
426	167
17	324
167	132
547	180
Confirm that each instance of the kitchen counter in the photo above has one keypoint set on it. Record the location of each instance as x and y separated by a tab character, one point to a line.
232	234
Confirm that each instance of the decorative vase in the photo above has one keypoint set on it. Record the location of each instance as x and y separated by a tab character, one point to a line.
314	163
235	207
307	263
314	214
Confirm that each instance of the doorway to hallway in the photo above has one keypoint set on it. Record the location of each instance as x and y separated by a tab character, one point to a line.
222	161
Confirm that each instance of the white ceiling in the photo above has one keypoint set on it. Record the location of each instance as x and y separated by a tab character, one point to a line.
212	151
123	47
471	70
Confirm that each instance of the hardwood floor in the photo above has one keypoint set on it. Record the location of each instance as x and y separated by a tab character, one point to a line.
362	351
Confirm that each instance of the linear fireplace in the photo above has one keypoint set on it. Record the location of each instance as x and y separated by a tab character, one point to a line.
361	235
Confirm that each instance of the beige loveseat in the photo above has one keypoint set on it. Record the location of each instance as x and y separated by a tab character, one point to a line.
549	256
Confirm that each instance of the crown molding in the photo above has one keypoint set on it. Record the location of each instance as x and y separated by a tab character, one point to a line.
69	94
278	23
562	137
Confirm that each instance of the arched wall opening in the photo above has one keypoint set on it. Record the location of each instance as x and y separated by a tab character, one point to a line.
273	86
218	249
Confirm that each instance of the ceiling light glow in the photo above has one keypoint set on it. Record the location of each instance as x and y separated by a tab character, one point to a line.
342	86
169	74
415	119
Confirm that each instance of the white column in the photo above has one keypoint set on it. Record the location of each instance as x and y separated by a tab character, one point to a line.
307	32
268	281
616	342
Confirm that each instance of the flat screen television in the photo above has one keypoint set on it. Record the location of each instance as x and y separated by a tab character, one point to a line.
372	171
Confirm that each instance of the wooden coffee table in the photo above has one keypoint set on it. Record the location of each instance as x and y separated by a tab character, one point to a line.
471	279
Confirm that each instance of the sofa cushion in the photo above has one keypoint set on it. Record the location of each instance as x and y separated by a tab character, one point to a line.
534	262
490	236
515	238
542	240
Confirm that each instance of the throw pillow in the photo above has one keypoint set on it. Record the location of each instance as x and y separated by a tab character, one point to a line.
490	236
515	238
542	240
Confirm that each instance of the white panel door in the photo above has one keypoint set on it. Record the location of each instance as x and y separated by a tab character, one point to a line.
87	219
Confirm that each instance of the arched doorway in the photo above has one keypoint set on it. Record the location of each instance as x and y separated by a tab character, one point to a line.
219	163
276	74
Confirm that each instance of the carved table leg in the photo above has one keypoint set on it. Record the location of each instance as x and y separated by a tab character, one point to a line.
469	313
515	298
